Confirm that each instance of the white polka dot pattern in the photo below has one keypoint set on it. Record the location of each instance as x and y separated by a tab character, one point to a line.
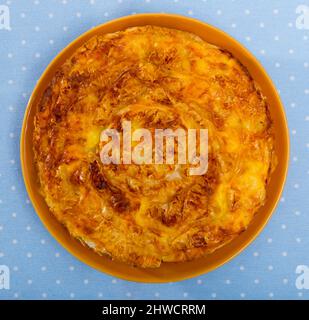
40	267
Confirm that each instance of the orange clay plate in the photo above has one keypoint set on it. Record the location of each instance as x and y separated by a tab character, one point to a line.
167	271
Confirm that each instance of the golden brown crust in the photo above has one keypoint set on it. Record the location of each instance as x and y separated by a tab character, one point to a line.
157	78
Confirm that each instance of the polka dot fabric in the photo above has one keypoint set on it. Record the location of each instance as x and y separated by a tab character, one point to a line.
40	267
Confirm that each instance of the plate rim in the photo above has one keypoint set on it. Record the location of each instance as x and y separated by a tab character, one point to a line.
34	193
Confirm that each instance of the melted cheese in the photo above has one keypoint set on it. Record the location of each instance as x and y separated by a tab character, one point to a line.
157	78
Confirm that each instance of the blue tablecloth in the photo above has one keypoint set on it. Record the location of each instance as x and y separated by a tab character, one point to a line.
40	268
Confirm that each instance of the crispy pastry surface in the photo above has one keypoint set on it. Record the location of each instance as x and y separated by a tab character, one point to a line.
157	78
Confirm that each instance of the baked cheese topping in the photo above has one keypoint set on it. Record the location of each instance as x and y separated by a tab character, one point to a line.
152	213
